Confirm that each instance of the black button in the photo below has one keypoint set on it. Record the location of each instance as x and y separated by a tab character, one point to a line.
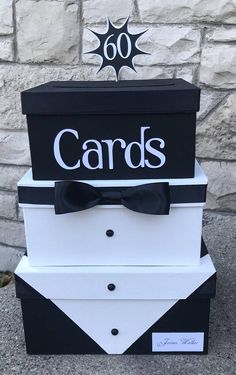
110	233
114	331
111	287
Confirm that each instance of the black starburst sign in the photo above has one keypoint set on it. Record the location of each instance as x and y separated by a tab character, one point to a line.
117	47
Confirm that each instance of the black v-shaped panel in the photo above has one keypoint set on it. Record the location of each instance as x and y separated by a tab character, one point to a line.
49	331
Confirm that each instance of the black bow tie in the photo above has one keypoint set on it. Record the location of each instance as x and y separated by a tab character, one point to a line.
71	196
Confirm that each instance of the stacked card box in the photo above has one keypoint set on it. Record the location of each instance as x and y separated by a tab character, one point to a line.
113	216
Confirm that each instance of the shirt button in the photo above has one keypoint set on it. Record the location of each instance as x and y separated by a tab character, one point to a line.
114	331
110	233
111	287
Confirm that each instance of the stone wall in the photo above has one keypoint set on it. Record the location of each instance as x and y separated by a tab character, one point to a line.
42	40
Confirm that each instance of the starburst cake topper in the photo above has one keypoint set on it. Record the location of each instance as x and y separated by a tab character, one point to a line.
117	47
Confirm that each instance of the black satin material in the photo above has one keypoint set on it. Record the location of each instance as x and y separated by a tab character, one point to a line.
71	196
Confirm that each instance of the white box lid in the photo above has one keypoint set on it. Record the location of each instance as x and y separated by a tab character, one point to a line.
131	282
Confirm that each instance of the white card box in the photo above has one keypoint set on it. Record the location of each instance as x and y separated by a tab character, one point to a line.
80	238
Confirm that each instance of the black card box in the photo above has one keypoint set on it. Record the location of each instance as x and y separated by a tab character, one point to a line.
112	130
74	310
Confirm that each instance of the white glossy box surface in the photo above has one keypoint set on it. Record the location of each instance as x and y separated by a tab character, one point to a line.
139	239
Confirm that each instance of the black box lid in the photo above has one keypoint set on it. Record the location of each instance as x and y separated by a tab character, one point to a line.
109	97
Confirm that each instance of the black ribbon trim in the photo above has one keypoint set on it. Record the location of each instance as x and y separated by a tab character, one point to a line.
178	194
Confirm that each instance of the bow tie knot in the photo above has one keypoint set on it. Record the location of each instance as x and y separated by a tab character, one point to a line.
112	196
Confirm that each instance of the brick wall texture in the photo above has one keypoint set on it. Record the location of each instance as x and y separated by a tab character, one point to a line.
43	40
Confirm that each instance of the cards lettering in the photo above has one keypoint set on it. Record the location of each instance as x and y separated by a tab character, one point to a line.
105	149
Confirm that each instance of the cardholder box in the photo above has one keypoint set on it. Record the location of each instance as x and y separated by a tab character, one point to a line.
149	310
81	238
112	130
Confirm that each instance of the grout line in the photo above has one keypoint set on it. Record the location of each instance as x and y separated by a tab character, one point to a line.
220	42
10	220
217	89
17	208
11	130
15	247
213	109
2	190
219	212
136	10
7	36
175	72
196	78
160	24
15	165
204	159
15	49
81	30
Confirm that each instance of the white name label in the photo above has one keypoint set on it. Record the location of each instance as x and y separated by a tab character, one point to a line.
177	342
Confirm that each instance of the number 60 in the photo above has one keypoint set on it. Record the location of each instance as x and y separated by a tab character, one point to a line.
117	47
